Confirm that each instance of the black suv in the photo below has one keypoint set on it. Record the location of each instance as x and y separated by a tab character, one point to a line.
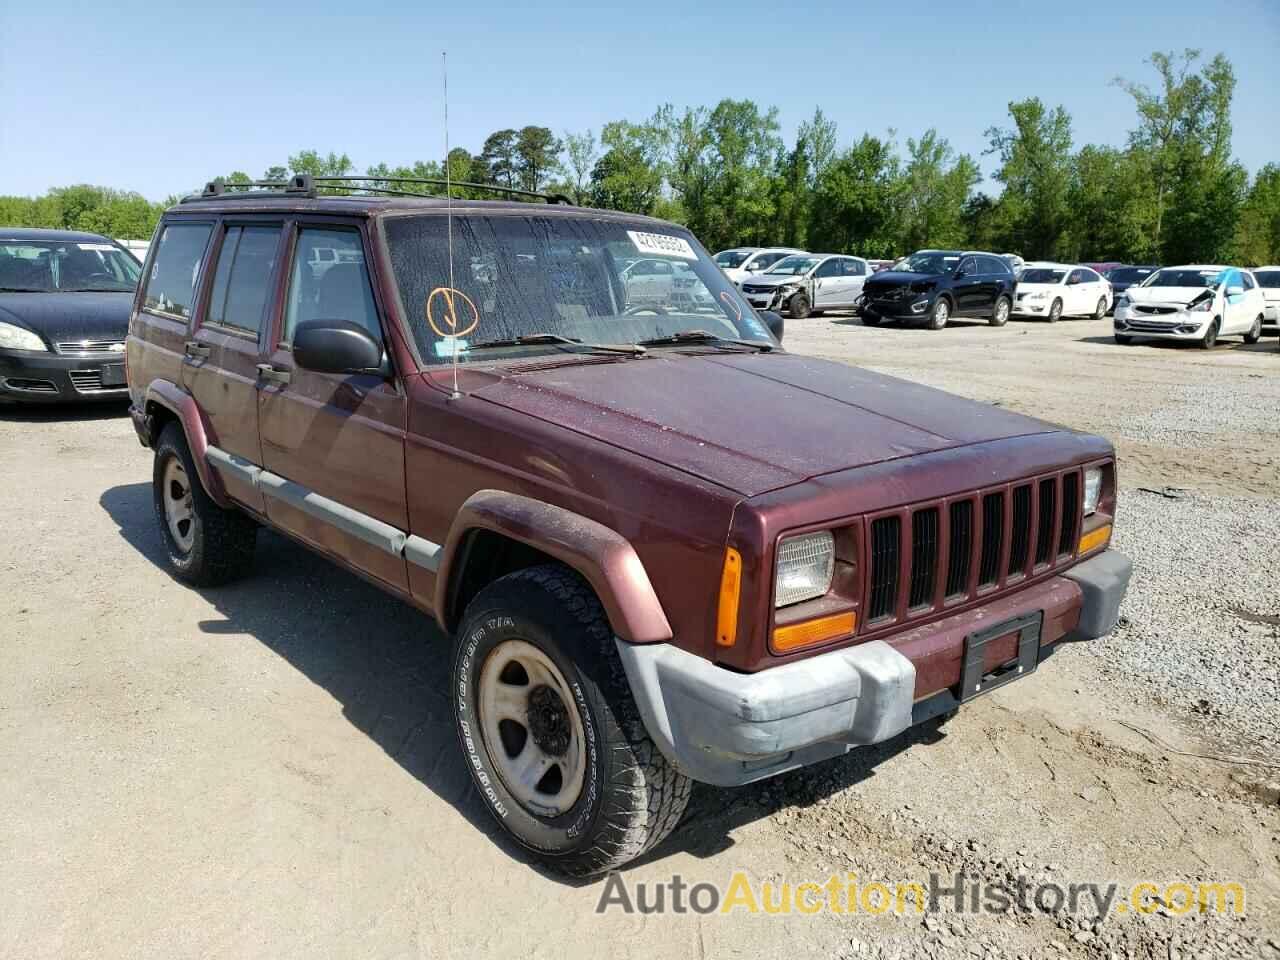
936	285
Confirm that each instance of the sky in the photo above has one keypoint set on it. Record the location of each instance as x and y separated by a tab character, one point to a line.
159	98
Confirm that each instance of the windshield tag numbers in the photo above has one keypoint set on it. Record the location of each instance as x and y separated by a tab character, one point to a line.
662	244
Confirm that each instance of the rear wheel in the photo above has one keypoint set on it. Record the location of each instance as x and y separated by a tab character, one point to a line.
1210	338
1055	311
1000	314
798	306
551	732
940	314
1100	311
1255	332
207	545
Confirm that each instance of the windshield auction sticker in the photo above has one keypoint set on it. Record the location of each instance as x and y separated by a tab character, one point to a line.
662	244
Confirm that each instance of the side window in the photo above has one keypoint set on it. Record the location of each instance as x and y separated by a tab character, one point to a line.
969	265
1077	276
1248	281
336	289
832	268
1090	276
242	283
172	283
769	259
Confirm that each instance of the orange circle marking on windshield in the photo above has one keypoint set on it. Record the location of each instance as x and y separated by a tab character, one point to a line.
737	311
449	296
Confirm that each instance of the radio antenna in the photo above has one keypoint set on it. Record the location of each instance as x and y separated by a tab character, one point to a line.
448	193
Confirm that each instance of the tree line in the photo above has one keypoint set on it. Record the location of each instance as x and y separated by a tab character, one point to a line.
1171	194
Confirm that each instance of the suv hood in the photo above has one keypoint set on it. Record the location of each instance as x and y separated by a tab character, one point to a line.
753	422
69	316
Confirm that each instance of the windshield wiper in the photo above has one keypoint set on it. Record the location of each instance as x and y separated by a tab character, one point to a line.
555	339
703	336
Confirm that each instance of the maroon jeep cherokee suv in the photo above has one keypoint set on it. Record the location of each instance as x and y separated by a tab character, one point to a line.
666	549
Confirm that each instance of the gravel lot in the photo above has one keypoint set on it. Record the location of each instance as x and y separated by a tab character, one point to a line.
270	769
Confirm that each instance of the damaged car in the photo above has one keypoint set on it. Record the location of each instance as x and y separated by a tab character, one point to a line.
1194	304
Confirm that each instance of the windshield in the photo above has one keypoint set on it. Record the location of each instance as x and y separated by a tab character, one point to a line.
1130	274
1041	275
1269	279
931	262
1184	278
794	266
48	266
599	281
732	259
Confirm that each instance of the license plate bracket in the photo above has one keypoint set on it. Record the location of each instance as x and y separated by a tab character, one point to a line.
975	679
113	375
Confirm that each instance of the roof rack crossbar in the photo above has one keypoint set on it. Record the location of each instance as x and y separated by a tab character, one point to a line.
461	184
306	185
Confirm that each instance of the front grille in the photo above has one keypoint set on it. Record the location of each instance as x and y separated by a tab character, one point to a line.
1020	542
86	380
1151	326
924	556
1145	308
960	551
988	540
86	348
748	288
885	536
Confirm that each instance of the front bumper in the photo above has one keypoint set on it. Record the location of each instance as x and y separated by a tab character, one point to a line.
37	377
1031	308
1162	326
915	308
729	728
770	300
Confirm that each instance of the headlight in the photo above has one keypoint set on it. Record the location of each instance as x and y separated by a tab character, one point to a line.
804	568
1121	301
1092	490
19	338
1204	306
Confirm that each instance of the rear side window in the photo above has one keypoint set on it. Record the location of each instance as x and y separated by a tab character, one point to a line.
1269	279
993	265
855	268
242	283
330	289
171	284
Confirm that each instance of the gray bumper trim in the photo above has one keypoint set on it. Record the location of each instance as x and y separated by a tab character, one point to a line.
729	728
1102	582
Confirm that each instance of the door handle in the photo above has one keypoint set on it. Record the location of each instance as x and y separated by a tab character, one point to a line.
267	372
197	350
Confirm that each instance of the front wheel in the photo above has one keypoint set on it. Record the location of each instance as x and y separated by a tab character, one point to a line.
1000	315
551	732
1210	338
940	314
798	306
1055	311
1255	332
207	545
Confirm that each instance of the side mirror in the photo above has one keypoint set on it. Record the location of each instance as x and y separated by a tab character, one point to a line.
773	321
1235	291
960	274
337	346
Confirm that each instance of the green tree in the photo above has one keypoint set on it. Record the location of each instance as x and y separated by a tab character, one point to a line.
581	153
1258	231
537	156
630	173
856	200
498	162
935	185
1035	168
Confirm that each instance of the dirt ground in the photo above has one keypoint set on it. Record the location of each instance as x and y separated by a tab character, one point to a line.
270	769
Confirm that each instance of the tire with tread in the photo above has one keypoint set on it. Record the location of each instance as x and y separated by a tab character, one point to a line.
798	306
223	540
1000	312
1255	332
1210	338
632	797
940	315
1055	312
1100	311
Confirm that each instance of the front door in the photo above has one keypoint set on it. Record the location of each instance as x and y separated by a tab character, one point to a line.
968	287
826	283
333	444
220	369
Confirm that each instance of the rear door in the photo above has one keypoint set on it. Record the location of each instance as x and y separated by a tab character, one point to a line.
333	444
220	366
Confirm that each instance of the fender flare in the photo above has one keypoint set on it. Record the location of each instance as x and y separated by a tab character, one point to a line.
182	405
602	556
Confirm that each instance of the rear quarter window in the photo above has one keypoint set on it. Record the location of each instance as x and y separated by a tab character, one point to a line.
171	282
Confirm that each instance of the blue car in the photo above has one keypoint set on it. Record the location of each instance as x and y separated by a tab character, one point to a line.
65	299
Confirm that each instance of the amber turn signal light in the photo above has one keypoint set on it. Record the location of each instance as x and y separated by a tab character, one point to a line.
810	632
730	591
1095	538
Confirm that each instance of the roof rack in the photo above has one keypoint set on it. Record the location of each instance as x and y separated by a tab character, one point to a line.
308	186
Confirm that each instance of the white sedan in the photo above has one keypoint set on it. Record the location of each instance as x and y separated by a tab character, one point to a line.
1055	290
1269	280
1196	303
741	262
